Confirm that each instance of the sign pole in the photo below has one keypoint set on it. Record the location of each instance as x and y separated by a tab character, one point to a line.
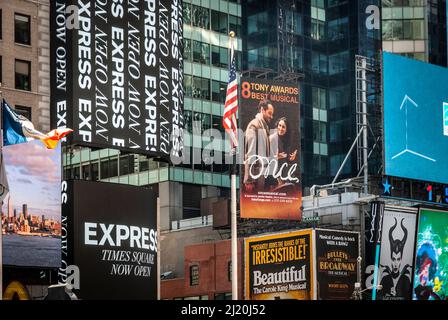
233	205
1	227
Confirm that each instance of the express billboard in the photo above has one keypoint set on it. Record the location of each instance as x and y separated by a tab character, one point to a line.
415	119
280	266
269	114
336	263
117	74
431	256
109	233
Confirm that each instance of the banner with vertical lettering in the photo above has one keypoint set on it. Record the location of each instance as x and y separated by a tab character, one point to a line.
117	74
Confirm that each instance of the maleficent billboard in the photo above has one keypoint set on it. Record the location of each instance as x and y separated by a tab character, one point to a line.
117	74
109	233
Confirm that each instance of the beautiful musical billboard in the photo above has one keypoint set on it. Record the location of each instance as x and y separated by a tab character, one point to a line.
279	266
109	233
117	74
336	263
415	119
397	252
431	256
31	211
270	182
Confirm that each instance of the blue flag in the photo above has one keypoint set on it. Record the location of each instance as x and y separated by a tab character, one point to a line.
12	127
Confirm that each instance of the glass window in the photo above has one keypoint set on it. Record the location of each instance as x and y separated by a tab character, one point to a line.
338	63
220	57
219	91
23	75
201	52
126	165
201	17
219	22
24	111
187	49
186	13
319	98
22	28
317	29
235	25
188	82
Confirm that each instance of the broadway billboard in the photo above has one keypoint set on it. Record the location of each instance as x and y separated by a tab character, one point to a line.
336	263
109	233
279	267
117	74
271	185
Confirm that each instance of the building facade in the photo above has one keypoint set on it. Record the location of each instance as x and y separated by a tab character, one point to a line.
25	59
416	29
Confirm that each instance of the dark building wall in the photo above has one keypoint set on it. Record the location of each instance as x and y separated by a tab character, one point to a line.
320	40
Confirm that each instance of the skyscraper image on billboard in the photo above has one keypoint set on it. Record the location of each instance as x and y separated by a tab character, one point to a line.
31	211
415	119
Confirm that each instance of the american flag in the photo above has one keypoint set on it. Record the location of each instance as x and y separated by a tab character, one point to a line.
231	106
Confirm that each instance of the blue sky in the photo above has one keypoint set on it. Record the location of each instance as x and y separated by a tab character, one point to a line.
34	177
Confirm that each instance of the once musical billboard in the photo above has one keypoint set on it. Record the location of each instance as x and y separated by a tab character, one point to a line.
117	74
415	119
271	185
109	233
397	252
431	256
336	263
279	266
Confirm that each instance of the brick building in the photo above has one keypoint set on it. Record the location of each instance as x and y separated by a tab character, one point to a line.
25	58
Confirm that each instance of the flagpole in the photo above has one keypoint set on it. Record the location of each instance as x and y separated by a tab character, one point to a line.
233	204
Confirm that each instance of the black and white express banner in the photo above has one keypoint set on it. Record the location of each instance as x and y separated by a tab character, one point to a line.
109	234
117	74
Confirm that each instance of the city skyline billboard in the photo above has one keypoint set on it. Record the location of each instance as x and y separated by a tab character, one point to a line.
117	74
336	263
279	266
270	182
397	252
415	119
111	236
31	211
431	256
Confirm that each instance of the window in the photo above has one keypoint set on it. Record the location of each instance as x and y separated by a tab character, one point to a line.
201	52
194	275
24	111
220	57
22	29
23	75
235	25
219	22
201	17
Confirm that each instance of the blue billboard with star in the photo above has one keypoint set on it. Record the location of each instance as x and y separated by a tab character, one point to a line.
415	119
